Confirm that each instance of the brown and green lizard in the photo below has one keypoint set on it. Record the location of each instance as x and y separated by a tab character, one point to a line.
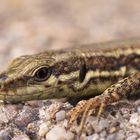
110	70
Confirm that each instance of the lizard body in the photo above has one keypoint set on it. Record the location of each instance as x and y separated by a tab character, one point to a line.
79	72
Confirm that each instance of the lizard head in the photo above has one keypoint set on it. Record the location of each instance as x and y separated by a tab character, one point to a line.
41	76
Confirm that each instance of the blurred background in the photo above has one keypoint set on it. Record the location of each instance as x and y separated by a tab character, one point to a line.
32	26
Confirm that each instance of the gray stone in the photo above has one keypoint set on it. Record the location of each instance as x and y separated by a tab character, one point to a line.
59	133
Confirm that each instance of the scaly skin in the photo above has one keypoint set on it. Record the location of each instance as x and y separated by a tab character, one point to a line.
85	71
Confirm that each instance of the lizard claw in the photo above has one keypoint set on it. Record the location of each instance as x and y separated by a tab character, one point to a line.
76	112
84	108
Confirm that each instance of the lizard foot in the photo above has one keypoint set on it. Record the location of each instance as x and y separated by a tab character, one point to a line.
85	108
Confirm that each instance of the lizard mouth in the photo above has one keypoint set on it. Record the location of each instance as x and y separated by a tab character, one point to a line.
28	93
18	90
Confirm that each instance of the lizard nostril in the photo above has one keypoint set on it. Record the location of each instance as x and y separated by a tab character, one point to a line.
3	77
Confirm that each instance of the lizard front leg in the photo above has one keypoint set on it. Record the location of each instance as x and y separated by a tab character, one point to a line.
124	88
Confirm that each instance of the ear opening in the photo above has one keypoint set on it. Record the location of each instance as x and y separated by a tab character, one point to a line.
82	73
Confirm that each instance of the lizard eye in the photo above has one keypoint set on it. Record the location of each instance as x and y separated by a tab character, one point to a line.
42	74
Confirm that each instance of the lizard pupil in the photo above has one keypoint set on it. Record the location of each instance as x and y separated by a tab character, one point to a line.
42	74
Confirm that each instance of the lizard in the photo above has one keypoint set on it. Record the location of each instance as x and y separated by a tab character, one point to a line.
107	71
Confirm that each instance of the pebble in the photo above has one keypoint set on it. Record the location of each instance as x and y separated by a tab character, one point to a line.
134	119
121	135
101	125
32	129
103	134
89	129
111	137
43	129
27	116
5	135
132	136
59	133
138	109
60	115
21	137
3	117
7	113
44	114
112	130
137	130
93	137
48	113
